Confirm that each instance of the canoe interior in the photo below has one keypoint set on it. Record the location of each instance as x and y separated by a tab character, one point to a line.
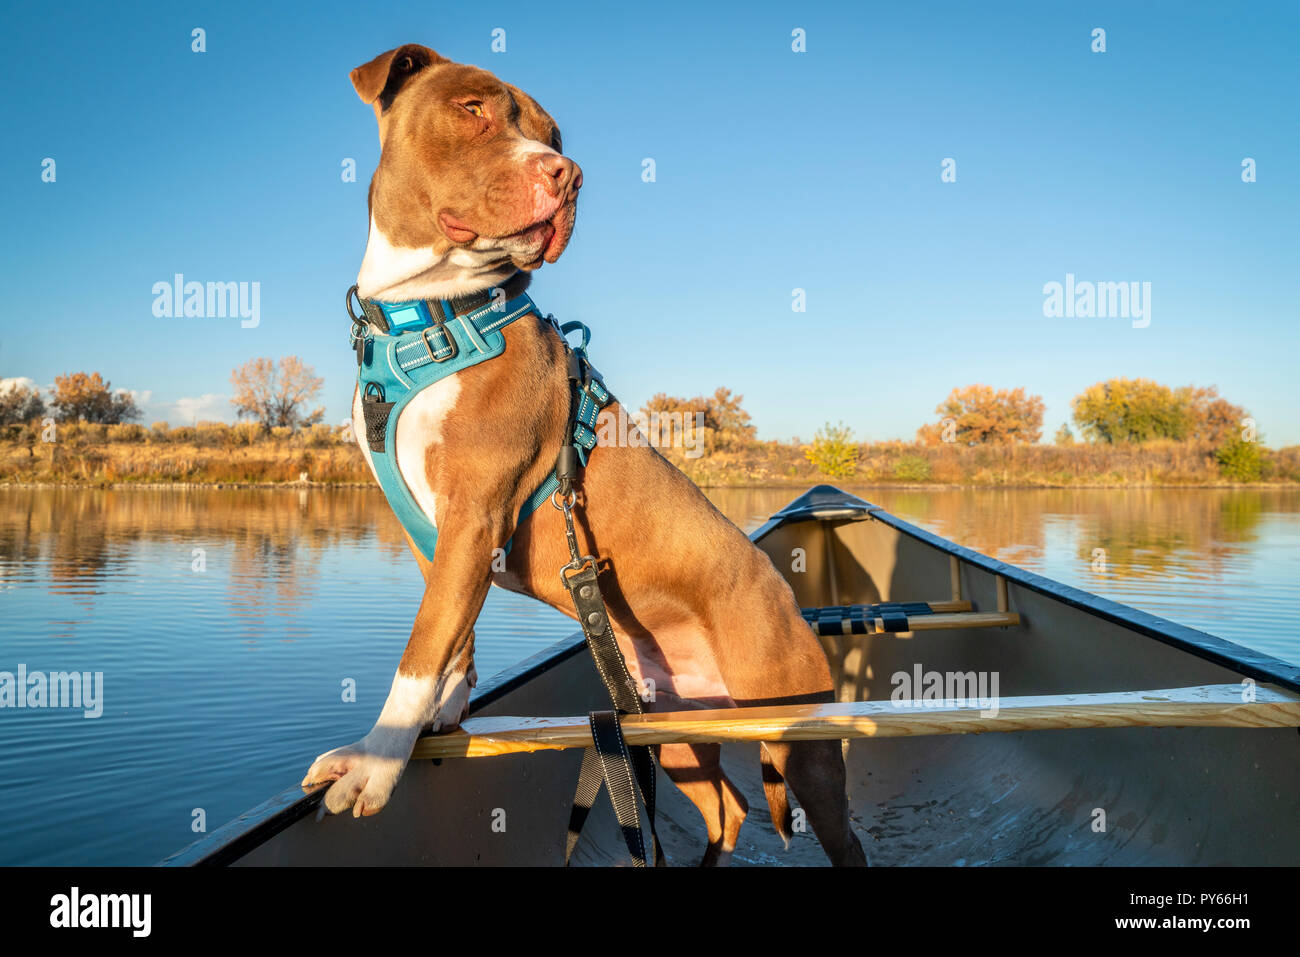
1170	796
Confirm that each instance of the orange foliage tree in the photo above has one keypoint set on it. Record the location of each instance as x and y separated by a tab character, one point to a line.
721	412
1211	418
979	413
90	398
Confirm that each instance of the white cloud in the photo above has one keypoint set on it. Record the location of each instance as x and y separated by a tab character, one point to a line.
16	382
209	407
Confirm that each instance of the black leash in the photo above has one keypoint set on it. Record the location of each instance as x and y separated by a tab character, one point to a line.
623	770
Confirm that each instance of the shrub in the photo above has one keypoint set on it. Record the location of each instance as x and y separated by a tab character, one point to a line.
832	452
246	433
1285	463
1240	461
912	468
282	433
95	432
126	432
321	436
212	434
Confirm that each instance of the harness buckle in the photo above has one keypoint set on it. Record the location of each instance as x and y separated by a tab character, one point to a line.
446	333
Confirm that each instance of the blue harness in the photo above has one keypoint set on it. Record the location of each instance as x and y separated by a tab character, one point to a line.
404	347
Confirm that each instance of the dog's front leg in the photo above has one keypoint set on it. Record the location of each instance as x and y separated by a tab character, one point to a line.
433	681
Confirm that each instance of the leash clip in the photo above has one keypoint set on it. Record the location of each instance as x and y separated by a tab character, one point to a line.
576	565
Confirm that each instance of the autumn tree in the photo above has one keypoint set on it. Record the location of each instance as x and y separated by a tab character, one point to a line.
1211	418
20	404
90	398
978	413
721	412
1140	410
276	395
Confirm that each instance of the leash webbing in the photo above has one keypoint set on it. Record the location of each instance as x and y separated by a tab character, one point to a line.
610	760
623	770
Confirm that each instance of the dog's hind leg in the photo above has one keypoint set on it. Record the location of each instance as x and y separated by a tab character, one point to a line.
696	769
778	801
815	772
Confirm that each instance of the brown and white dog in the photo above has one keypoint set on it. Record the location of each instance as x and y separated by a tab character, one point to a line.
471	187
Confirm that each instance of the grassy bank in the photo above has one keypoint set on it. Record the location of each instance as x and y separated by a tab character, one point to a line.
215	453
1045	466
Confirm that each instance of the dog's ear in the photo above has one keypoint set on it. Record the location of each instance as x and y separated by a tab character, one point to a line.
535	122
383	77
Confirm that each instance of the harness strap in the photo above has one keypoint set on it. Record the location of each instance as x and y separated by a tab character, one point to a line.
403	347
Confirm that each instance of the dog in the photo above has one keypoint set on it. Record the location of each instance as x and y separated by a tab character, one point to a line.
472	189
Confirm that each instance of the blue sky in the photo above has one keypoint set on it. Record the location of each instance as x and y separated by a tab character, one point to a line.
775	170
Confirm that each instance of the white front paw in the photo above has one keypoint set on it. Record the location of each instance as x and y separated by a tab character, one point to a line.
364	777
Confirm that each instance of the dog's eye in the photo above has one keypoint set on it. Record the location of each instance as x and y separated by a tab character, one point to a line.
474	107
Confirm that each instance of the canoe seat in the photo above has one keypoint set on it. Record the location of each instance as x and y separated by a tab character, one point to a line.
899	617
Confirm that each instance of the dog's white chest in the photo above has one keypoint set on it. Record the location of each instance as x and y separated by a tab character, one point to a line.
419	432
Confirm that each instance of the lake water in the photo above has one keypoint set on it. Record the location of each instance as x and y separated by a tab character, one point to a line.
225	621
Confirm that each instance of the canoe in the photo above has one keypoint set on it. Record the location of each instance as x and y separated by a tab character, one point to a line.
989	716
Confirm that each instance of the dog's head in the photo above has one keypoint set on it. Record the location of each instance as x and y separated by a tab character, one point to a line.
468	161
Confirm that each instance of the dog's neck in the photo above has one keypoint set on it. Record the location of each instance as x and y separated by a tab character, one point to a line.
392	273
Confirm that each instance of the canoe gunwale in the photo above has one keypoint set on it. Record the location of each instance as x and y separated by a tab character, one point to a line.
843	507
254	827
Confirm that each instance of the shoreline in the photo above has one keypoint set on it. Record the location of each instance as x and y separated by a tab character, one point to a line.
739	486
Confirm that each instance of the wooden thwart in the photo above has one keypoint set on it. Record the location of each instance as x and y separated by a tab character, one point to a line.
1205	706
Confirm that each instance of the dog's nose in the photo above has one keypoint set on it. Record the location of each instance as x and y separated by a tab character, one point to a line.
558	173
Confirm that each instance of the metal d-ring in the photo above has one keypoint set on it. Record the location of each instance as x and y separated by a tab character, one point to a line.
564	506
359	323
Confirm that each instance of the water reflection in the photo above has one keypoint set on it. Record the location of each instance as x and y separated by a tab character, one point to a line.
79	537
